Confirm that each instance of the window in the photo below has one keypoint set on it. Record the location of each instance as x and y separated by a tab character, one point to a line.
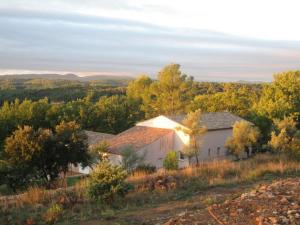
181	156
209	152
218	151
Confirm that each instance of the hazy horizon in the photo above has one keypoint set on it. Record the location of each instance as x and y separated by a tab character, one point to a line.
217	41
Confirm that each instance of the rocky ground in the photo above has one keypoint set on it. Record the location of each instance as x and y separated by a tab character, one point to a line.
274	204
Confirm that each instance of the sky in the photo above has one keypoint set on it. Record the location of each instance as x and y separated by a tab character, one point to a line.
212	40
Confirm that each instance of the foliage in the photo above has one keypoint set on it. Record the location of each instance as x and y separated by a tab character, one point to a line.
108	182
110	114
44	153
282	97
99	152
16	176
53	214
195	130
138	88
234	98
285	138
243	138
130	159
168	95
116	114
171	161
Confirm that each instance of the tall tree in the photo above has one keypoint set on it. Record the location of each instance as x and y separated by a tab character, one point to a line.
47	152
137	89
286	138
169	94
195	130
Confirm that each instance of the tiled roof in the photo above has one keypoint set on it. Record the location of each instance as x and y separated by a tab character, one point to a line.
136	137
213	121
96	137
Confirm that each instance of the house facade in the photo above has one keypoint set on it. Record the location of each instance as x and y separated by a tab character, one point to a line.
154	138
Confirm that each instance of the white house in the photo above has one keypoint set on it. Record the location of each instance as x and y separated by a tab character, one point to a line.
155	137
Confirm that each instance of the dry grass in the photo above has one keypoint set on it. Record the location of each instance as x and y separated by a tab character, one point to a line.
191	178
34	195
218	172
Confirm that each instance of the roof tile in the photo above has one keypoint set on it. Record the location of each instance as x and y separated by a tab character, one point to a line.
136	137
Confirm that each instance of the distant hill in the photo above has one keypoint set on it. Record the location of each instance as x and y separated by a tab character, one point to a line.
58	87
69	76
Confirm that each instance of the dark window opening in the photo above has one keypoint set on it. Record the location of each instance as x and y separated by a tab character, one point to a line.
181	156
218	151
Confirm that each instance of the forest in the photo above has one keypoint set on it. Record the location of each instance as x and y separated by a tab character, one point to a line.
115	109
59	88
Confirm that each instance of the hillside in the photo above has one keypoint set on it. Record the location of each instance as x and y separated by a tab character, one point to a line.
58	87
221	191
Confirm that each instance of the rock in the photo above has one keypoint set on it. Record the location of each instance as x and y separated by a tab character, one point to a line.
181	214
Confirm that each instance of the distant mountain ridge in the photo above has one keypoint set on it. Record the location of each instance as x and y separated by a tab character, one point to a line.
68	76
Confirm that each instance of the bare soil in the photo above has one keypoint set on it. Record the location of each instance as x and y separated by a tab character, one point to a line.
273	204
257	204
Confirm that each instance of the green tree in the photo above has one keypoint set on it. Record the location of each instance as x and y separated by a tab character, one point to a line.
169	94
235	98
286	138
244	136
194	129
70	143
108	182
282	97
171	161
116	114
138	88
47	153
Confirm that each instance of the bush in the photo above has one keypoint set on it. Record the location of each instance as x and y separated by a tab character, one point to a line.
107	182
171	161
53	214
130	159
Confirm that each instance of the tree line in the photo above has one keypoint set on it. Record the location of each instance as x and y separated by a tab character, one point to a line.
171	93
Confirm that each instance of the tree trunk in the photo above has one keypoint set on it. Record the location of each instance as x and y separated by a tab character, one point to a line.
197	160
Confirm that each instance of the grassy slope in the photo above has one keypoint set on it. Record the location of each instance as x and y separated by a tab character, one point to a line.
194	189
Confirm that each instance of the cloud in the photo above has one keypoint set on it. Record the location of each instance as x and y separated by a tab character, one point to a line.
56	41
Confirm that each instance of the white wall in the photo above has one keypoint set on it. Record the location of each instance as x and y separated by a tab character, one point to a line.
115	159
84	170
180	139
213	140
155	152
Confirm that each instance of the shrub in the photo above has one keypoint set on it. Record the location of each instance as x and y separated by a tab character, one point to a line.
107	182
171	161
130	159
53	214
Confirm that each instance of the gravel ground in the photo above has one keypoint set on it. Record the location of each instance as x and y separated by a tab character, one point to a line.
274	204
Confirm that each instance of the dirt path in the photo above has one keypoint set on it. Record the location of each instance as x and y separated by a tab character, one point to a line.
161	213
